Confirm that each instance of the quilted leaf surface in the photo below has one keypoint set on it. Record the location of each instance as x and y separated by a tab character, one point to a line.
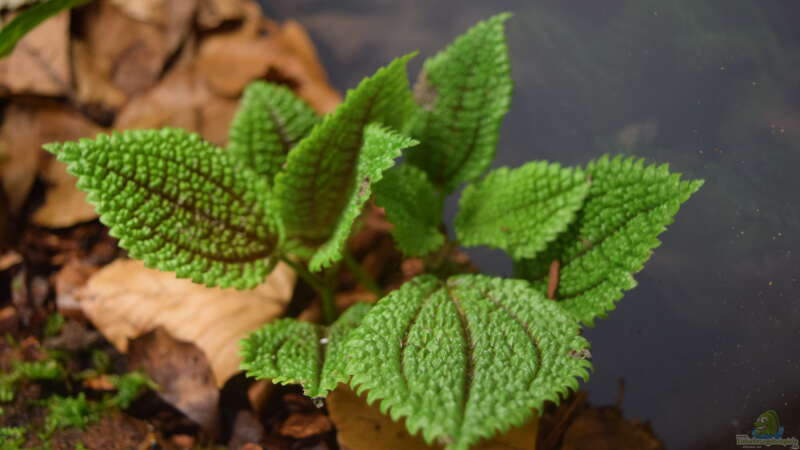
520	210
178	203
629	204
414	207
269	122
465	358
465	92
321	171
380	149
290	351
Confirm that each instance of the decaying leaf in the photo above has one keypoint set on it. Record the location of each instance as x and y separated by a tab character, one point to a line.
213	13
245	48
93	91
606	429
134	59
361	426
182	373
65	204
181	100
29	125
285	52
126	299
39	64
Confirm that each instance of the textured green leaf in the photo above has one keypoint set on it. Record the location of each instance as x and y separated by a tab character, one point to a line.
29	19
628	206
465	92
520	210
414	207
289	351
321	171
178	203
379	150
465	358
270	121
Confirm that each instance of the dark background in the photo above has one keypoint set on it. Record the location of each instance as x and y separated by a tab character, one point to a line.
709	338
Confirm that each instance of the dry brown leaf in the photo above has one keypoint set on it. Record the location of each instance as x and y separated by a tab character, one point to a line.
151	11
182	373
306	69
19	154
134	58
301	425
126	299
361	426
9	259
94	92
212	13
65	205
285	53
606	429
26	128
246	49
39	63
180	100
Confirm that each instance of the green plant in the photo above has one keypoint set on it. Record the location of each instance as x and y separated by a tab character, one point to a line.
458	356
28	19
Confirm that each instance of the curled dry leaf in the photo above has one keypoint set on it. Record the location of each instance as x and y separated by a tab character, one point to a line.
39	64
134	59
181	100
245	48
361	426
285	52
213	13
126	299
95	93
182	373
306	68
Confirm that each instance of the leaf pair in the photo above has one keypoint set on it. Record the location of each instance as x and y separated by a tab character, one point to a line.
288	182
458	359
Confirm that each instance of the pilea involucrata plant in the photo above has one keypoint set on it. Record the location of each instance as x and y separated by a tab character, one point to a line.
459	356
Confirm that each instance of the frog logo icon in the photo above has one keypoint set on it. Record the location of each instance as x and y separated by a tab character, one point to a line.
767	432
767	426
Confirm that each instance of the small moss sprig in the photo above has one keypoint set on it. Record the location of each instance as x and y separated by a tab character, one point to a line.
460	357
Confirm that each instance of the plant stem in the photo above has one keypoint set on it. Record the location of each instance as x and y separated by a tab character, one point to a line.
362	276
322	286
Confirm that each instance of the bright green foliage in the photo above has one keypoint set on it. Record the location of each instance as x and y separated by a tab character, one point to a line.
315	188
48	369
12	438
463	358
178	203
129	386
414	207
270	121
520	210
289	351
379	150
29	19
66	412
628	206
53	324
464	91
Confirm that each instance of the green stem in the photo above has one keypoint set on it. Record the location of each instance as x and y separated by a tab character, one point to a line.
362	276
322	286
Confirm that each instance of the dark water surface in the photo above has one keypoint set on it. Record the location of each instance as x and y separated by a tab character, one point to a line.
710	338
